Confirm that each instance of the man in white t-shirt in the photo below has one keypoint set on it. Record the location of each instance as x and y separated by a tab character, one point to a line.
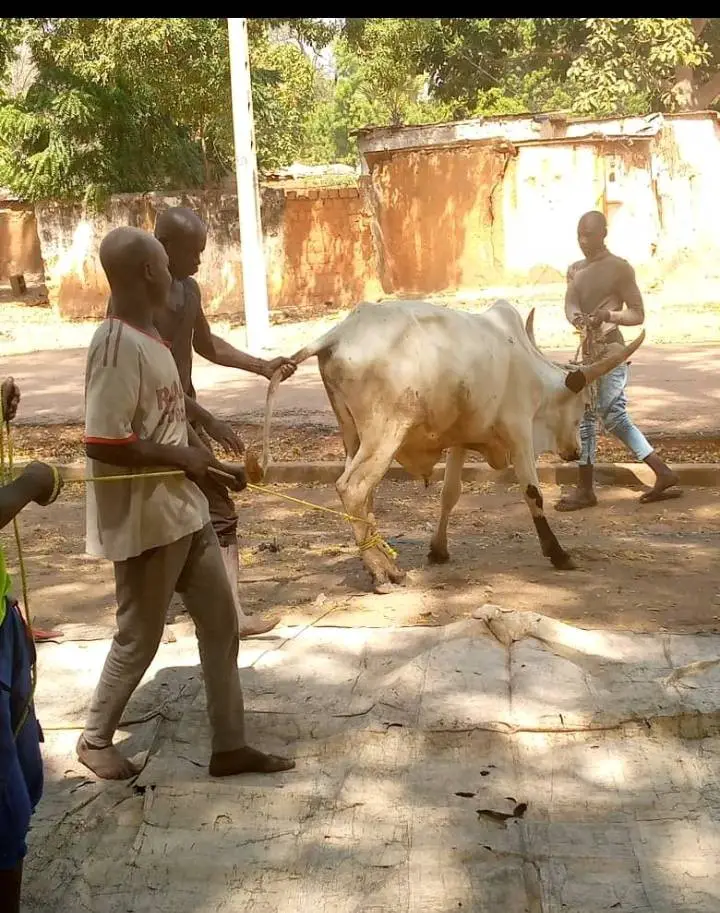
156	530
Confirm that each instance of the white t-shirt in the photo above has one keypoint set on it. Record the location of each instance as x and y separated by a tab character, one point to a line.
133	392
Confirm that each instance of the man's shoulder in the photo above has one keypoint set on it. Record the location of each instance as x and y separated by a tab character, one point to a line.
620	263
576	267
192	290
114	341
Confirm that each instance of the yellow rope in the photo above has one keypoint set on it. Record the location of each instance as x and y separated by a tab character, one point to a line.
313	506
164	474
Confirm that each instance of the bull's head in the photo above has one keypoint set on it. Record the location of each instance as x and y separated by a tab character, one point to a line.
560	419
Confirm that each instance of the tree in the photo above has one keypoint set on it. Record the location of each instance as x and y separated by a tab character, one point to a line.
133	104
377	82
584	66
628	66
697	85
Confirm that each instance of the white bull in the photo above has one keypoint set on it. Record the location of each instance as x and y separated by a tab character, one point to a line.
409	379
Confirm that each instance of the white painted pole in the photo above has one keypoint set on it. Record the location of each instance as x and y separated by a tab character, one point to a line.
257	318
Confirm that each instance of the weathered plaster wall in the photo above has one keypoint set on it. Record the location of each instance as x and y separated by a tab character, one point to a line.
19	244
318	249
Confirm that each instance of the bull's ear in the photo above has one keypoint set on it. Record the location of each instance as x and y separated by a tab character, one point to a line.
575	381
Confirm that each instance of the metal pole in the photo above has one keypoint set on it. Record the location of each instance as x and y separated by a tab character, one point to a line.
255	295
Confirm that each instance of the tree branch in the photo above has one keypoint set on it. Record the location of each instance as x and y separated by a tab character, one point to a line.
698	26
707	93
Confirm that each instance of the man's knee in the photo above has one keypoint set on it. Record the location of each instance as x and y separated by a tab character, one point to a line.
616	416
226	533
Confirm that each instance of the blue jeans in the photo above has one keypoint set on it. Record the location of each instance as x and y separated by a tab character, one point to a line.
612	409
21	771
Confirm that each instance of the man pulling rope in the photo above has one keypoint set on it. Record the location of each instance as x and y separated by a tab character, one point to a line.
21	771
157	532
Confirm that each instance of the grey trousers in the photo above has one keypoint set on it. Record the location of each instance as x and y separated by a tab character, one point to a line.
192	566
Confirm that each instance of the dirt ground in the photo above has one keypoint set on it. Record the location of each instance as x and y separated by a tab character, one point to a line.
682	308
316	443
640	568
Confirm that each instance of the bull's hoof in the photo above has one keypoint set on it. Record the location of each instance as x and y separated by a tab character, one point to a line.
563	562
389	582
384	589
435	556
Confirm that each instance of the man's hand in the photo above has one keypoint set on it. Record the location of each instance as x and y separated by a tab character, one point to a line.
237	473
601	316
194	461
288	367
223	434
579	321
42	480
10	393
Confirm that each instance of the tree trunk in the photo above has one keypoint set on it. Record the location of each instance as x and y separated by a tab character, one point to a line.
205	161
683	90
689	96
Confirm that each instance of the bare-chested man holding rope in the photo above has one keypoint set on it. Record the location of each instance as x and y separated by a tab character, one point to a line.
602	295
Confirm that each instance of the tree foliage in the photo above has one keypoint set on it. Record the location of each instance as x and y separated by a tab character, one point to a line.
93	106
585	66
131	104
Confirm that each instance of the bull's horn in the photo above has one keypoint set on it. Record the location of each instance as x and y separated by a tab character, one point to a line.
592	372
530	327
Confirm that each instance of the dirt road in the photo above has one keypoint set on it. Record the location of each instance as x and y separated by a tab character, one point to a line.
674	389
642	568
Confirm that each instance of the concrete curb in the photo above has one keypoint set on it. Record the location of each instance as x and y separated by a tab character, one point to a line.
625	475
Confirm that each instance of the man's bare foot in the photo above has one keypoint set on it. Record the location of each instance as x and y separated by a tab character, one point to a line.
580	499
660	492
106	763
245	761
250	626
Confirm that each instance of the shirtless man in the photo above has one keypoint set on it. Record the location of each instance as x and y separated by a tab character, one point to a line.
602	294
183	325
156	531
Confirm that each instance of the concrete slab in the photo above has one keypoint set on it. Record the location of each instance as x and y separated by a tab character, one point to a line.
503	763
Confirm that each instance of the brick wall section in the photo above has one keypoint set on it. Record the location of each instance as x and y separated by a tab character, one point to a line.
329	259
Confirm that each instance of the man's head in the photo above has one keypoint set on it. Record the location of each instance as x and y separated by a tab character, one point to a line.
183	235
591	233
136	265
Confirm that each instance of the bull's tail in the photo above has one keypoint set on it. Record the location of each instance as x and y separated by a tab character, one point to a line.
255	469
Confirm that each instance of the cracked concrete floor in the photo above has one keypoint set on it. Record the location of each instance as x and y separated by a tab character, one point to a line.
508	762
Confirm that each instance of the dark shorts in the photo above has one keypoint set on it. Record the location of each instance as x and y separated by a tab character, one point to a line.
21	770
223	515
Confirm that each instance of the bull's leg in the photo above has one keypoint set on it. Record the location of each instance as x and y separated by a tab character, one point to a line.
348	429
355	487
526	472
451	491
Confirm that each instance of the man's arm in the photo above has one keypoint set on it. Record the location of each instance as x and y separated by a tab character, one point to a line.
220	352
633	314
138	454
35	484
237	472
572	301
219	431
